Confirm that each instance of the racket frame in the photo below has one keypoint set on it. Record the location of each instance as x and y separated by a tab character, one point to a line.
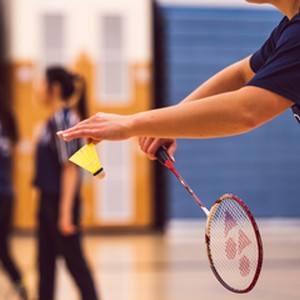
257	236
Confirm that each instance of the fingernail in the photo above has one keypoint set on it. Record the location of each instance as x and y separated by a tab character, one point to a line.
173	158
65	136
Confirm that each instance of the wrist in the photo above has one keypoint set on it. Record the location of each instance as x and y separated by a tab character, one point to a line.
64	211
132	125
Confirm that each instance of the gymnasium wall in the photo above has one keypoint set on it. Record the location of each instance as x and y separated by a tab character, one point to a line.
110	44
199	38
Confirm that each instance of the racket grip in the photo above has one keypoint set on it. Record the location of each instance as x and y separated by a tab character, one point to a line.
163	156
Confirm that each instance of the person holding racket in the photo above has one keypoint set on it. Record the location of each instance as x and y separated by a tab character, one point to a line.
238	99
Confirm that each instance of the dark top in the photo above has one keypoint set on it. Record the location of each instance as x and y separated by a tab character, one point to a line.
277	62
53	152
5	164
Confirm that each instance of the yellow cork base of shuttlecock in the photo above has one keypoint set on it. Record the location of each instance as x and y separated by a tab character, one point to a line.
87	158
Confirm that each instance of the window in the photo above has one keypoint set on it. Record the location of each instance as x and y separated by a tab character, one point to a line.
115	194
112	73
53	41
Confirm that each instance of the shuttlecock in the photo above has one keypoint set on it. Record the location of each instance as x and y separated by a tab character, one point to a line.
87	158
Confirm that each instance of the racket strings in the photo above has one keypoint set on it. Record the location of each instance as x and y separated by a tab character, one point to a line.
233	247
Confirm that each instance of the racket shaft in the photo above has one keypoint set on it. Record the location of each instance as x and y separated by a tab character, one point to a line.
164	158
190	191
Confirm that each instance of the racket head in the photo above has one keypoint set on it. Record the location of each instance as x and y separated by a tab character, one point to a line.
234	245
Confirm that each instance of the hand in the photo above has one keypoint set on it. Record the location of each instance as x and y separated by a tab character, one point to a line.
66	226
151	145
101	126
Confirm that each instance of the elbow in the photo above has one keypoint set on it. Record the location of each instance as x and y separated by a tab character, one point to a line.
249	121
251	114
249	118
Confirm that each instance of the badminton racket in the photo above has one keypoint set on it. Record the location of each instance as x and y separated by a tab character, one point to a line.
233	242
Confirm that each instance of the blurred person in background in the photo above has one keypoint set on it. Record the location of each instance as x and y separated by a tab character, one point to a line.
240	98
58	182
8	139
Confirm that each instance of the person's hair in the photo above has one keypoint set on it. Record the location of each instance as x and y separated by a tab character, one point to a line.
73	90
8	120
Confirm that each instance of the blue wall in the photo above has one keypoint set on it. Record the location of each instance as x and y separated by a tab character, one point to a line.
261	167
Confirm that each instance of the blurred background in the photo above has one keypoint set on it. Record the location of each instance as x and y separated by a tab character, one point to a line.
137	55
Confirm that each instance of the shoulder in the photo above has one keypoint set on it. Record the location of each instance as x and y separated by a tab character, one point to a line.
278	30
286	30
291	30
295	19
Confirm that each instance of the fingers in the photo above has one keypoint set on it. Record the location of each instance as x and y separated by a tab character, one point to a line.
84	129
81	130
151	145
172	149
67	229
76	134
146	146
71	134
98	127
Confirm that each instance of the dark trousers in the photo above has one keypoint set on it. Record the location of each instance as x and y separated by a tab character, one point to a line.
6	206
52	244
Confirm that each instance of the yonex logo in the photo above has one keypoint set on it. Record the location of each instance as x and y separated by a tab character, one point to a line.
236	246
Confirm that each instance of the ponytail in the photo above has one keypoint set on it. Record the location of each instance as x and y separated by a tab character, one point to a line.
80	96
73	88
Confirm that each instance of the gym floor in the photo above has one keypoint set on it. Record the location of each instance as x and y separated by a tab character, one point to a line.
172	266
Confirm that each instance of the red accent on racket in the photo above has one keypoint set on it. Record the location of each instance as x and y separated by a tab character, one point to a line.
233	242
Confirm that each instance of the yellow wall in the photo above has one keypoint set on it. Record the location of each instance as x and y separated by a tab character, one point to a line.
30	116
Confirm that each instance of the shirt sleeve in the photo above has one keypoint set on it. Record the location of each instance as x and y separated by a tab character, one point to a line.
261	55
63	120
277	66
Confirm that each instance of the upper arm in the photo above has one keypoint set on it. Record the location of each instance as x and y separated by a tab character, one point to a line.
261	105
69	169
69	178
246	71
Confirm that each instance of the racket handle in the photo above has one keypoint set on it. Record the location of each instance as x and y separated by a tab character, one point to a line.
163	156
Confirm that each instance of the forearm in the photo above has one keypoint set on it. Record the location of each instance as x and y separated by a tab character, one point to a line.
197	119
217	116
229	79
69	183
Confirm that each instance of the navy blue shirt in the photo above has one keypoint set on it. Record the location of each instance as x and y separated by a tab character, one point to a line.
53	152
5	163
277	62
